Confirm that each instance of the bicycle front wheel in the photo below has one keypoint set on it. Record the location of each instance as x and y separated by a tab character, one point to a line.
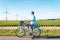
20	32
36	32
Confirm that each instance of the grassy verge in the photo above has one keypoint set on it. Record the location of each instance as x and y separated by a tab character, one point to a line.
7	32
50	32
44	32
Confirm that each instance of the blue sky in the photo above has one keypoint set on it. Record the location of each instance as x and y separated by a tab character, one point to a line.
44	9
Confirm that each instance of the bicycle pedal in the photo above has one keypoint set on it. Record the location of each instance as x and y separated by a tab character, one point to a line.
30	33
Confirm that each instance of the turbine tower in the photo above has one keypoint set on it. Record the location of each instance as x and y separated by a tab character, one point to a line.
16	16
6	13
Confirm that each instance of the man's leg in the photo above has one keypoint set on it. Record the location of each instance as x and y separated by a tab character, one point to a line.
31	30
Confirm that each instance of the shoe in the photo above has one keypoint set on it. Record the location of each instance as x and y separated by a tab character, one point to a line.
33	37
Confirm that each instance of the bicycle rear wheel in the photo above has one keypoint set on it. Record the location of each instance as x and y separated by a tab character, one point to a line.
20	32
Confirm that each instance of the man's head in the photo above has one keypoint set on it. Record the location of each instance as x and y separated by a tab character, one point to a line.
32	12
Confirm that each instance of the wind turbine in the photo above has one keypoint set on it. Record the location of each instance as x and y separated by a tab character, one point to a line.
16	16
6	13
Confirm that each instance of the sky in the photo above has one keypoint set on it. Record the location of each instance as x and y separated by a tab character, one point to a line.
21	9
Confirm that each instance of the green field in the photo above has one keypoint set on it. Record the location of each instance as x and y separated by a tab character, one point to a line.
44	32
39	22
49	22
8	23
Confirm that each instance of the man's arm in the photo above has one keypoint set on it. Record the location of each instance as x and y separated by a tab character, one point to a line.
30	20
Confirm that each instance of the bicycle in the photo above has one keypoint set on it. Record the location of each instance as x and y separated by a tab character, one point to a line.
21	31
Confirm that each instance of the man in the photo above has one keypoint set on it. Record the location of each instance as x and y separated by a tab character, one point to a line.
32	22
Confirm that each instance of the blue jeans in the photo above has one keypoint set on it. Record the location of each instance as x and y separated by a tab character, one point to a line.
32	26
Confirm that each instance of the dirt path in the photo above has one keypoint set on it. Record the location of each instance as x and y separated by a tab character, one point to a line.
13	38
48	27
17	38
8	27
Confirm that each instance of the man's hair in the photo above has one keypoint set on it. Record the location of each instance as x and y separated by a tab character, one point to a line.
32	12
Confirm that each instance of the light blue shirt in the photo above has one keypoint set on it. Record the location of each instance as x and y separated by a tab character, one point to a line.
34	20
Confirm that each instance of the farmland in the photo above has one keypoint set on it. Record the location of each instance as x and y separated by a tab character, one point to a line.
49	22
8	23
39	22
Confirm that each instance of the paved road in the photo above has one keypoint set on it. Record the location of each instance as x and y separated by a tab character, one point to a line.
17	38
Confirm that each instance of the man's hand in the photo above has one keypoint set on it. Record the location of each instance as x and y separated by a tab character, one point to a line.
30	20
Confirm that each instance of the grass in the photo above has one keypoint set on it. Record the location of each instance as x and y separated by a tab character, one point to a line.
40	22
50	32
49	22
44	32
8	23
7	32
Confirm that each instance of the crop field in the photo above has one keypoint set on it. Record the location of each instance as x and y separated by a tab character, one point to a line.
8	23
44	32
39	22
49	22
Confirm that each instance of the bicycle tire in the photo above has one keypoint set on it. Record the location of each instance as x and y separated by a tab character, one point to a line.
20	32
36	32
